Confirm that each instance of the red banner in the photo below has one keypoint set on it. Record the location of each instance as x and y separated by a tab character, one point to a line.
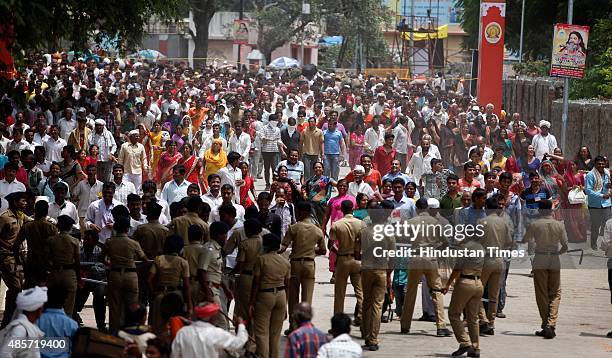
491	52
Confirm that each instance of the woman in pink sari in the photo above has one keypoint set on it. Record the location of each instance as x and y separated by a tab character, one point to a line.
573	214
357	144
333	214
167	161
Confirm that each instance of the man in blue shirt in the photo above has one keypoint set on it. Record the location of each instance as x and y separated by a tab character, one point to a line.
597	189
55	323
333	143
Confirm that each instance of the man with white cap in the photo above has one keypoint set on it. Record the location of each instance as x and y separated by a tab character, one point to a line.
544	143
29	308
107	146
134	159
203	339
358	185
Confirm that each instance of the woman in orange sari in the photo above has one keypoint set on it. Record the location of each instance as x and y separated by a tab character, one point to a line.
167	161
193	166
214	159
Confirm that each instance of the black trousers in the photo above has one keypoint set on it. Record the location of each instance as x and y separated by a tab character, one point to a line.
99	304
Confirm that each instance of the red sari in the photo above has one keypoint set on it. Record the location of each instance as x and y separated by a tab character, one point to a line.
193	171
249	184
574	215
166	162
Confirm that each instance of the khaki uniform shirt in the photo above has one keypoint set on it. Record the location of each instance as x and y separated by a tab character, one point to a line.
347	231
212	261
272	270
36	233
497	234
62	249
248	251
194	253
180	226
303	236
426	238
372	251
470	265
123	251
545	234
10	224
170	270
151	237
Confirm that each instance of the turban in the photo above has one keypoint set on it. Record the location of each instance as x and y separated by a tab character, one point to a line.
31	299
545	124
207	311
359	168
100	121
134	132
433	203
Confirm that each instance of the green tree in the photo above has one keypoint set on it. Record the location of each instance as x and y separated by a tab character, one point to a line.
203	12
44	24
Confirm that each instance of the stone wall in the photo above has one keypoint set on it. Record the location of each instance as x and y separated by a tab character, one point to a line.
589	122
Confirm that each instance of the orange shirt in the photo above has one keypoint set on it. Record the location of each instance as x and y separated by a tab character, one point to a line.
197	118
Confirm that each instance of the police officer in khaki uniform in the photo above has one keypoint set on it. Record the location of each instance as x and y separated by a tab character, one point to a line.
214	289
180	225
194	253
63	254
306	241
466	297
122	278
544	236
268	305
423	265
169	273
347	233
497	235
151	237
11	222
249	250
375	277
36	233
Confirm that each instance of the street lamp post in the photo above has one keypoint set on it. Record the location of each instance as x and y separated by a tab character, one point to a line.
521	40
570	20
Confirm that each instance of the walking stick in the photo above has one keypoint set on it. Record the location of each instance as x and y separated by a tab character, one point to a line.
577	250
231	320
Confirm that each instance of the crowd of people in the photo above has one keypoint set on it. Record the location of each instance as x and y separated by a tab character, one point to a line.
134	182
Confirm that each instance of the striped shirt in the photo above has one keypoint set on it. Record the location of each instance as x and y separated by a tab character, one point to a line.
305	341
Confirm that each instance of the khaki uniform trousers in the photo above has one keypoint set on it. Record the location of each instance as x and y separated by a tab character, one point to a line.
301	285
122	292
196	294
68	280
145	296
466	296
490	276
156	321
270	313
417	268
374	288
12	275
220	299
547	283
347	266
244	284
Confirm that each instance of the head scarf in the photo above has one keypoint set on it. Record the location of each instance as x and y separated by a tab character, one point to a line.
31	299
220	159
570	178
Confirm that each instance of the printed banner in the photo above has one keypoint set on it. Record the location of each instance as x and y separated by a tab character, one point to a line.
569	50
241	32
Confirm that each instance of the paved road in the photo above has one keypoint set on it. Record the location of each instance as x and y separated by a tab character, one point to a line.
585	317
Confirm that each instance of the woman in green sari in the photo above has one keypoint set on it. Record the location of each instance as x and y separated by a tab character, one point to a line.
318	190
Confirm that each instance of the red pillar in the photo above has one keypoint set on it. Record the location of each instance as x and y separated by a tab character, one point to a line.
491	52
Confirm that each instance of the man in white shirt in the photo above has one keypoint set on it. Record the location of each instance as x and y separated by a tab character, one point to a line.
176	189
358	185
374	137
400	141
86	192
67	124
54	145
231	173
488	152
122	188
107	146
213	197
421	162
99	217
60	206
134	159
18	143
544	143
227	197
342	344
10	184
202	339
240	142
438	115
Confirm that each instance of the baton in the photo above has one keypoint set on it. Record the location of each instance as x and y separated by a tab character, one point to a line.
231	320
581	254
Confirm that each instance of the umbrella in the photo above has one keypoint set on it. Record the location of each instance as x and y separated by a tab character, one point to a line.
284	62
152	55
